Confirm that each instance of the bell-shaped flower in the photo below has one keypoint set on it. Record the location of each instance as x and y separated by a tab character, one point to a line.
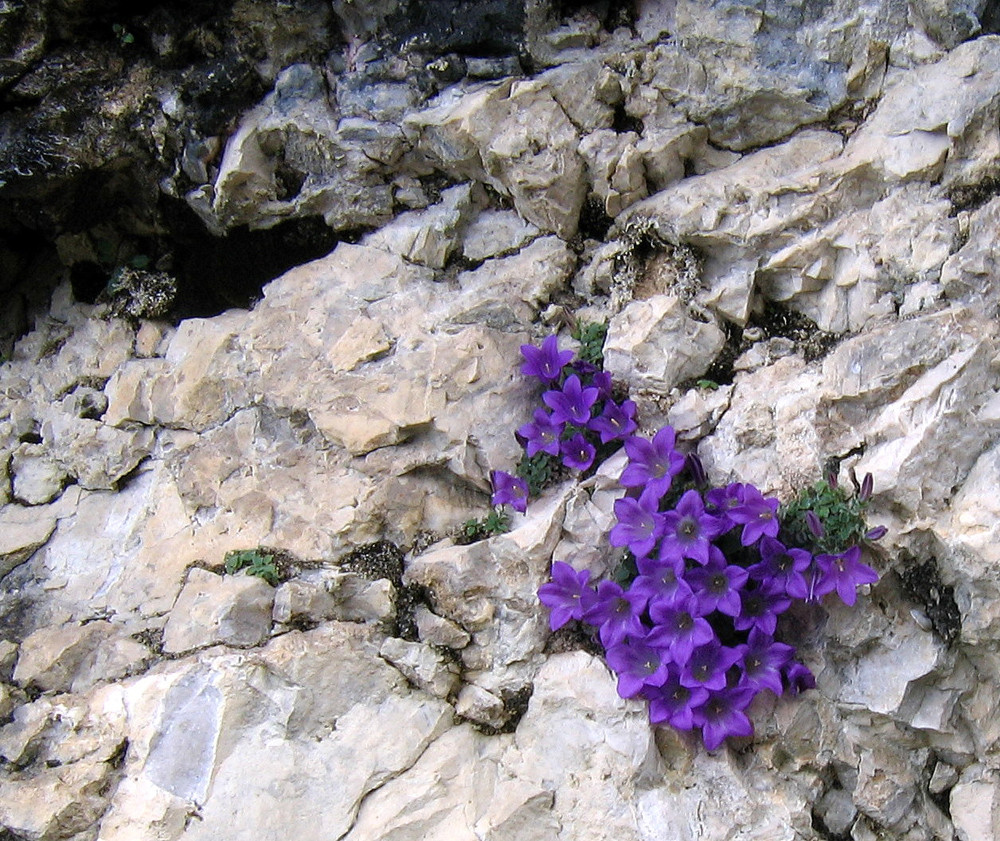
760	607
547	362
782	568
637	664
797	677
615	423
541	436
567	595
616	613
573	403
673	703
718	584
509	490
843	573
763	660
723	715
639	523
708	664
688	530
577	453
679	627
758	514
652	464
661	580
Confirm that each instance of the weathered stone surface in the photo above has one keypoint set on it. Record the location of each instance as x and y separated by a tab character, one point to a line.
655	344
37	477
975	809
436	630
22	532
212	609
49	658
494	233
422	666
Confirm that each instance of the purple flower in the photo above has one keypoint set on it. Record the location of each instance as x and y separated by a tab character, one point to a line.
616	613
843	573
616	422
577	452
782	568
708	664
697	470
572	404
542	436
876	533
679	627
763	660
797	678
760	608
637	665
661	580
673	702
639	524
722	715
718	584
688	529
601	380
867	486
509	490
815	524
567	595
757	514
652	463
546	362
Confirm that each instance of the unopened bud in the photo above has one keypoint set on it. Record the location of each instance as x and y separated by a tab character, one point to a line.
867	485
815	524
876	533
697	470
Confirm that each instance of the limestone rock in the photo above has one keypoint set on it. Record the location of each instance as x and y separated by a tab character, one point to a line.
480	705
436	630
49	658
616	169
495	233
974	807
22	532
38	478
345	597
968	274
655	344
212	609
422	665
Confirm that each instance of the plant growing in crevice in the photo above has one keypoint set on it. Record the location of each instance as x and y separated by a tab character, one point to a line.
255	562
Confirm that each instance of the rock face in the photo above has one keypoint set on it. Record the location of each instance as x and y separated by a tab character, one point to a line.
787	217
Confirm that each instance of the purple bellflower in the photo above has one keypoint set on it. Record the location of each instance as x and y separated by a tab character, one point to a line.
661	580
757	514
673	702
763	660
567	596
542	436
616	422
509	490
688	530
573	403
708	664
637	665
760	608
679	627
652	464
616	613
639	523
723	715
577	452
782	567
547	362
843	573
797	677
718	584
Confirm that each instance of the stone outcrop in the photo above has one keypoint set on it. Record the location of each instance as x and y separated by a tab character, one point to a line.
787	219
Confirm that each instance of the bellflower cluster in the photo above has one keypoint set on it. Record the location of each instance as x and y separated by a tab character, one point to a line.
692	625
690	620
579	424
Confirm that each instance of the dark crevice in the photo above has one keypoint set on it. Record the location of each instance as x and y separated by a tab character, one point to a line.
594	221
922	584
622	121
973	196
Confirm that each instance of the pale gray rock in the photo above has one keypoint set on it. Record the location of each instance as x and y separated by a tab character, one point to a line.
98	456
422	665
215	609
323	595
698	411
495	233
22	532
7	701
37	477
436	630
655	344
837	811
515	136
616	168
8	656
76	657
968	275
430	236
480	705
975	809
943	778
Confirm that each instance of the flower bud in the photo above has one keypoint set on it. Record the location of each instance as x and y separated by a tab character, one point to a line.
867	485
876	533
815	524
697	470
